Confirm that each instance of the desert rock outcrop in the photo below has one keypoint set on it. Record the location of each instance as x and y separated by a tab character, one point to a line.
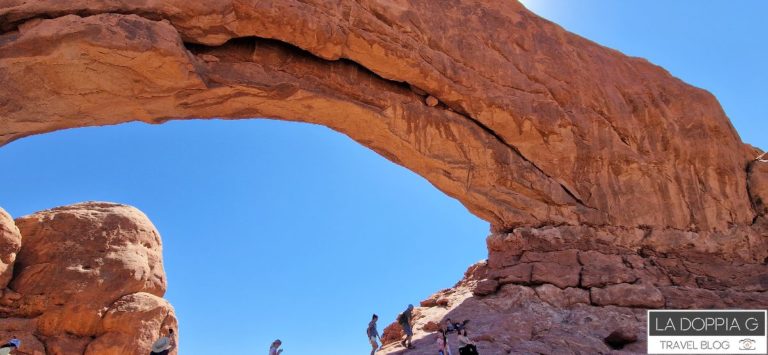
619	274
610	185
88	279
527	316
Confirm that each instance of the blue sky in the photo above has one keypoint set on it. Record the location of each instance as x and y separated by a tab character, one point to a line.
277	229
270	229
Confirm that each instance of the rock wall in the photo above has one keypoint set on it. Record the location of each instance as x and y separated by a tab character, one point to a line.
571	290
88	279
617	267
610	185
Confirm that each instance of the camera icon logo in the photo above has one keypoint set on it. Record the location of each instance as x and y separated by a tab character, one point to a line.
746	344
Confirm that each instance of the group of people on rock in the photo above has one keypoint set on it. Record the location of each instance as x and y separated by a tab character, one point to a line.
467	347
167	341
405	320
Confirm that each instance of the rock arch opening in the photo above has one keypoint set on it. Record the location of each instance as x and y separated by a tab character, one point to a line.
319	195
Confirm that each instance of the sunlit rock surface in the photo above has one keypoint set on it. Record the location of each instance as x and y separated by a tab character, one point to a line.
610	185
88	279
532	125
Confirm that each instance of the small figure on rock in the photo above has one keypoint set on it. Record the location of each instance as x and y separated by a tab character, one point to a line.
164	344
373	334
274	349
11	346
405	319
467	345
442	344
431	101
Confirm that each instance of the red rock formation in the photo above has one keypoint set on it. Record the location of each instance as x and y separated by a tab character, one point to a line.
610	185
758	186
532	125
10	242
531	318
585	289
89	280
131	325
392	334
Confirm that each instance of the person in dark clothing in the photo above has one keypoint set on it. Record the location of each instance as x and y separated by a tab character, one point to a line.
405	319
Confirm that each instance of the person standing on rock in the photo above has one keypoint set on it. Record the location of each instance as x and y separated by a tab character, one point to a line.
164	344
405	319
448	326
10	346
442	343
373	334
274	349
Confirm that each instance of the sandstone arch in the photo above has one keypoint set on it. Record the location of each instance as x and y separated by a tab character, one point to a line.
535	126
607	181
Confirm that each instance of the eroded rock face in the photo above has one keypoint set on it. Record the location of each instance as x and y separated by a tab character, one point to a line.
10	242
610	185
88	279
131	325
758	186
523	122
527	317
619	274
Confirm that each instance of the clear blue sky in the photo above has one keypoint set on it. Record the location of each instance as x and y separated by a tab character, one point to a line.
275	229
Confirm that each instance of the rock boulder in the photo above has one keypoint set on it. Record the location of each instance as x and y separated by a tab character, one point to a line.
10	243
88	279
